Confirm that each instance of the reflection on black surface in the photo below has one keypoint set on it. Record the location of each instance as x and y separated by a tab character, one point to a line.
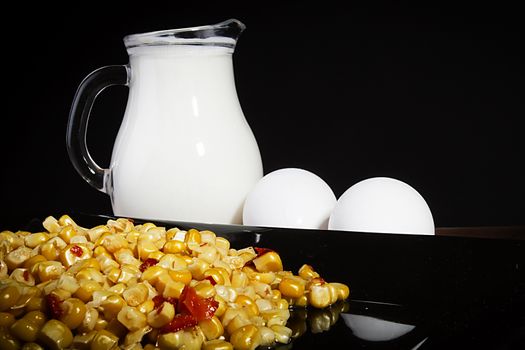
375	329
356	324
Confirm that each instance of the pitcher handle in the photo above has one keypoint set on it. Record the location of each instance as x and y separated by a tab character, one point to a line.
76	132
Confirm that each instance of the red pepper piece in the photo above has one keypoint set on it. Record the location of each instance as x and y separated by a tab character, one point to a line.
54	306
200	308
77	250
148	263
212	281
262	251
180	321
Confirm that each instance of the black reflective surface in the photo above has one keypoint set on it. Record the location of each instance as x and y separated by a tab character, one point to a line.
407	291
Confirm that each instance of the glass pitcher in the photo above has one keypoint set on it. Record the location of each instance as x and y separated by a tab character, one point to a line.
184	150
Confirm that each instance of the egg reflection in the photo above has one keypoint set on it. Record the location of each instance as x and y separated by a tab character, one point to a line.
374	329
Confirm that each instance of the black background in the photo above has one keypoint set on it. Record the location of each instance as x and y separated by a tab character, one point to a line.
425	93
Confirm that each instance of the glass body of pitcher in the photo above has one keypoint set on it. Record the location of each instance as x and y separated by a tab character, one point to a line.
184	150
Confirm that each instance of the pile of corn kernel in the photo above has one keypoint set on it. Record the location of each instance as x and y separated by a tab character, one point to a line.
122	285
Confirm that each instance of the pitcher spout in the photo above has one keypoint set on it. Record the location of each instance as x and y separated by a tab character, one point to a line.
224	34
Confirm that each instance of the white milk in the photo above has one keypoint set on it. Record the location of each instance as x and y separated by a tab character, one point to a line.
184	150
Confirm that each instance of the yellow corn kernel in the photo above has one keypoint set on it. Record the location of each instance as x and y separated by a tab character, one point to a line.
207	253
26	329
17	257
74	311
275	316
114	242
283	334
267	336
100	250
73	253
68	283
104	340
343	292
161	316
193	236
113	274
262	289
239	279
189	339
60	293
136	295
212	328
334	293
307	272
172	289
174	247
183	276
145	247
49	270
204	289
115	327
264	277
208	236
236	323
197	268
83	341
132	236
32	261
248	305
118	288
152	273
112	305
92	274
146	307
230	313
100	324
66	233
264	304
107	263
223	243
246	338
162	282
94	233
51	224
132	340
55	335
217	344
6	318
66	220
222	305
301	301
172	262
125	257
225	273
89	263
132	318
282	304
157	255
291	287
36	239
228	293
172	233
129	273
215	274
319	296
268	262
23	276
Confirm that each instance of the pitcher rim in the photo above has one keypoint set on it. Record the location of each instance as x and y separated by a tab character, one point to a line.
224	33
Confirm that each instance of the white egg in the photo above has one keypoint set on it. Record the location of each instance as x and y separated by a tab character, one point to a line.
382	204
290	197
